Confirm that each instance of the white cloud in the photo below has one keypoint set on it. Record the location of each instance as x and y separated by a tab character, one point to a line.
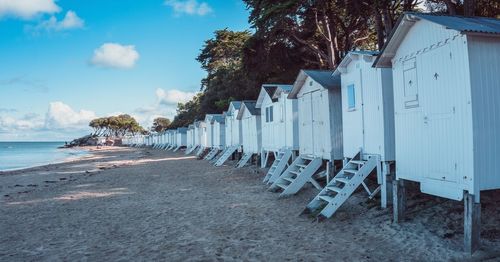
27	9
62	116
27	122
173	96
70	21
189	7
114	55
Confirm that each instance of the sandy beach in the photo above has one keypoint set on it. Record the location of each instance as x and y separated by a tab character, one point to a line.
124	204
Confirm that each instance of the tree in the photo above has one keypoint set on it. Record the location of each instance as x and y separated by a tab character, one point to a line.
221	57
120	125
160	124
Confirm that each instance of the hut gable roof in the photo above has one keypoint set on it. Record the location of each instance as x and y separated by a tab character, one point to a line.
219	118
250	107
233	106
322	77
272	91
465	25
367	55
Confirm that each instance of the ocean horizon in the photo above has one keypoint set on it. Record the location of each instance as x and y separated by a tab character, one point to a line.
20	155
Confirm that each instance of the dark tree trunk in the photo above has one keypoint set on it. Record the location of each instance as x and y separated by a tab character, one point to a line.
469	7
451	7
379	27
387	20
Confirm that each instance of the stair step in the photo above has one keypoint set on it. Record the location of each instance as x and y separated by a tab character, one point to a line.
310	158
289	179
328	199
282	186
301	165
334	188
358	162
342	180
295	172
352	171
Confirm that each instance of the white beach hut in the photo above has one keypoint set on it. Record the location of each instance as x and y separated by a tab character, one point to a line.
233	134
201	136
209	130
233	125
219	130
320	130
280	127
173	139
210	134
249	116
191	146
368	124
180	138
446	87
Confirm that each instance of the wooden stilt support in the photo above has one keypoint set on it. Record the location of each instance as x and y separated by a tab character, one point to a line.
472	223
386	190
399	200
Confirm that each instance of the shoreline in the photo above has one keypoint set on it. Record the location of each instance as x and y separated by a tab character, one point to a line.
89	152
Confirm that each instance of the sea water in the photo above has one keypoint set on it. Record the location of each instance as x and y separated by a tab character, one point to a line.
18	155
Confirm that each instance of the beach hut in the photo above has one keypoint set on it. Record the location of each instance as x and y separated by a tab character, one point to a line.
180	138
219	131
201	137
320	130
280	127
368	124
212	149
249	116
191	146
446	87
173	139
233	125
209	130
233	135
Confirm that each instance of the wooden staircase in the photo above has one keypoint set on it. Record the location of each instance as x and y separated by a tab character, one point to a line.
199	151
191	149
213	152
244	160
225	155
297	175
177	148
342	186
278	166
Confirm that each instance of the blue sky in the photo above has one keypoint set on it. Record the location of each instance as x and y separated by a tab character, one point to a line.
63	62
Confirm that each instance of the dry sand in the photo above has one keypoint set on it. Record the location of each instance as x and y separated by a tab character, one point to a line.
148	205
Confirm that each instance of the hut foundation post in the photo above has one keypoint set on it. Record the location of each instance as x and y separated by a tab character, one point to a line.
472	223
388	177
399	200
263	158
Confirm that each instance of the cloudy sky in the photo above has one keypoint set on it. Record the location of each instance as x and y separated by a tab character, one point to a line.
64	62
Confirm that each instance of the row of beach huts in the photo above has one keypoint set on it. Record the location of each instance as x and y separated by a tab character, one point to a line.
424	109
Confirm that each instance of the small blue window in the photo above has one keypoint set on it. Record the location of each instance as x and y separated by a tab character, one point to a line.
271	114
351	97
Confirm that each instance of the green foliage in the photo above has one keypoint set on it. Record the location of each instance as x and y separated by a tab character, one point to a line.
160	124
222	58
116	126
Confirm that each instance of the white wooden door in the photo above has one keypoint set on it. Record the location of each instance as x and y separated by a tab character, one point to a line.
320	111
440	121
305	124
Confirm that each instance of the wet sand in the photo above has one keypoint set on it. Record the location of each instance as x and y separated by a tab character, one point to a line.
148	205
